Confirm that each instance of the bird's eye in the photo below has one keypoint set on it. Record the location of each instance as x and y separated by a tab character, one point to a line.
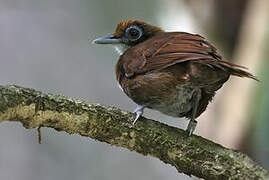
133	33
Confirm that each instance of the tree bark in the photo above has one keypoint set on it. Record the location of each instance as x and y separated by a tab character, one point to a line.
190	155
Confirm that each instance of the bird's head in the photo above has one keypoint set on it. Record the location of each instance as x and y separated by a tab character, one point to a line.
128	34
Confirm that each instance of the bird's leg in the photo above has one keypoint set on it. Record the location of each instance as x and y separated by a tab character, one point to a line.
138	111
192	124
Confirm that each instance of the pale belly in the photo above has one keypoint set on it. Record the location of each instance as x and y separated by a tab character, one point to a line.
160	91
178	106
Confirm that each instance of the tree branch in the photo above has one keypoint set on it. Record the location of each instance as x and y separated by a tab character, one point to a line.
192	156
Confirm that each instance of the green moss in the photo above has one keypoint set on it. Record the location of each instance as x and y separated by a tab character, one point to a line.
194	155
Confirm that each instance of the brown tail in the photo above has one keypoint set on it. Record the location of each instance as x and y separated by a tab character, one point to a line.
237	70
233	69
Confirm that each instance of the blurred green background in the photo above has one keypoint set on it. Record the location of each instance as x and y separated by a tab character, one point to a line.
45	45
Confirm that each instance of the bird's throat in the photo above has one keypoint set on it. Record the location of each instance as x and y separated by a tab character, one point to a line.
120	48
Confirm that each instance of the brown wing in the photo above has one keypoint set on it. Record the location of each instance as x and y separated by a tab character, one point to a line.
181	47
169	48
166	49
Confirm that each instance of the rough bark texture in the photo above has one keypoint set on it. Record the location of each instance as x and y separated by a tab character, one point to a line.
193	156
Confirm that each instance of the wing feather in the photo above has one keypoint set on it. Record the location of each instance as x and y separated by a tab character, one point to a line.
168	49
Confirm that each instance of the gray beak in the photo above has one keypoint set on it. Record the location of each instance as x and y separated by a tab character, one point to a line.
107	40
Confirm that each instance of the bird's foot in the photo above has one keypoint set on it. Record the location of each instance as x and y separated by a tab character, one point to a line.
192	124
191	127
138	111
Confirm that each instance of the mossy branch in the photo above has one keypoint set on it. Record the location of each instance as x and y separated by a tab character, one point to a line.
192	156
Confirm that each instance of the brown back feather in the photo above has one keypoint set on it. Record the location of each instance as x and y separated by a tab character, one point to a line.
170	48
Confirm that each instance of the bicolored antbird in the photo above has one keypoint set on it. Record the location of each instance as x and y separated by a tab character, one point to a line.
176	73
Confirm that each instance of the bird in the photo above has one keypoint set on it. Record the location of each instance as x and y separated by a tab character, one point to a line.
175	73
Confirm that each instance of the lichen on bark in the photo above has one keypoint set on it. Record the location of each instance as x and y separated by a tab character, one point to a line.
193	156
